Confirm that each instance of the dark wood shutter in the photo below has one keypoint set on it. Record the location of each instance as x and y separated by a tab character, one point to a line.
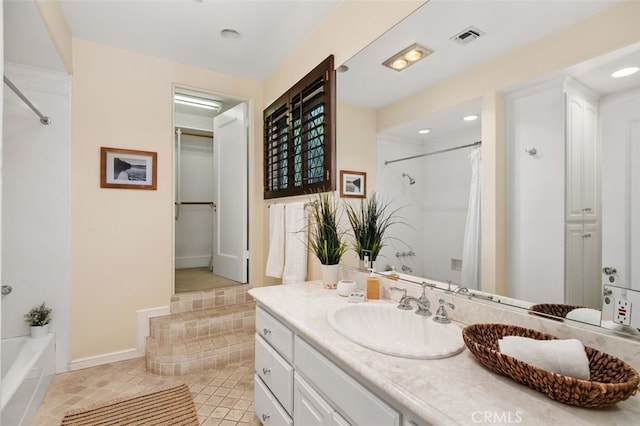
299	136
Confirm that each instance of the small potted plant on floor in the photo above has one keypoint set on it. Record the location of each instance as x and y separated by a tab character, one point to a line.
39	318
326	239
369	224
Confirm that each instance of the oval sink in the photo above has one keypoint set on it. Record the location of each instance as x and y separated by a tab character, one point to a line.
392	331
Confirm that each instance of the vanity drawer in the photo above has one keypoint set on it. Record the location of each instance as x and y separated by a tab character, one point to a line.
274	332
268	410
275	372
352	399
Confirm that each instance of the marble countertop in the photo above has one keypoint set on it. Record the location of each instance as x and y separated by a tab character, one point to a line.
450	391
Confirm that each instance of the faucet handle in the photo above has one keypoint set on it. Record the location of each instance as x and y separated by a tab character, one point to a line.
441	314
404	303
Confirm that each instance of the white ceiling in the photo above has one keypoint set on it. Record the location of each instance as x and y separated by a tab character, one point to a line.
184	31
507	24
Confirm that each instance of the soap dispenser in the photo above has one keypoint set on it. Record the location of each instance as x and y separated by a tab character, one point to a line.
373	287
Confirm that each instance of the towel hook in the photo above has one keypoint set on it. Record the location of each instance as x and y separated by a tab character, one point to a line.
531	151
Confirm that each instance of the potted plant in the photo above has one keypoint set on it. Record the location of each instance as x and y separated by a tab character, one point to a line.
39	318
369	223
326	239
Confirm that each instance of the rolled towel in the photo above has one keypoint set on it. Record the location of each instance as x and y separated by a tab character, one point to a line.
564	357
587	315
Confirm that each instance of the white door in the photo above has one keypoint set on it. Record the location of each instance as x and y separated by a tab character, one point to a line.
621	191
230	194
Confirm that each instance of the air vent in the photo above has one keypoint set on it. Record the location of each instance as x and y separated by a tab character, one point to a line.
468	35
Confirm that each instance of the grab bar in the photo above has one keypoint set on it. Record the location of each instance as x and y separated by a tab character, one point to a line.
43	118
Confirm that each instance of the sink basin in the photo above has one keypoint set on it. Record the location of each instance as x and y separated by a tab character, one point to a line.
387	329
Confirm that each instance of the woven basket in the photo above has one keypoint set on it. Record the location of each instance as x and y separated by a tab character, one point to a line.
553	311
612	380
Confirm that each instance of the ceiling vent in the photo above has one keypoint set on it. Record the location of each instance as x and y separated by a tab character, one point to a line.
468	35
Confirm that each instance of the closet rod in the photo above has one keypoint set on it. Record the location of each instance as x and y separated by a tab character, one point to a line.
310	203
43	118
433	153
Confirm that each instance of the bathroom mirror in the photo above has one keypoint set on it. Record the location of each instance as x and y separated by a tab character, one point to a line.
609	242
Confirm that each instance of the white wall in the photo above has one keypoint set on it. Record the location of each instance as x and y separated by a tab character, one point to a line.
194	227
536	193
36	203
436	205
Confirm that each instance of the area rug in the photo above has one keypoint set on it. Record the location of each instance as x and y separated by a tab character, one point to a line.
170	406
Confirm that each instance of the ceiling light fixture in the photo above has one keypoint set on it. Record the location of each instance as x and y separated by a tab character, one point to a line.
424	131
407	57
625	72
470	117
196	102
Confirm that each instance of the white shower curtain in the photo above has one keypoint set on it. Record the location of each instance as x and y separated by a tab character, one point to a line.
471	248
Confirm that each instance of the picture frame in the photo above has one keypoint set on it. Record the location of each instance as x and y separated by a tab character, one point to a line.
353	184
128	169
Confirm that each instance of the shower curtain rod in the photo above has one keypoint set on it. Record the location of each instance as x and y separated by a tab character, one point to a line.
43	118
433	153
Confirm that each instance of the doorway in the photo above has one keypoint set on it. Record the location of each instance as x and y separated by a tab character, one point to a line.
210	191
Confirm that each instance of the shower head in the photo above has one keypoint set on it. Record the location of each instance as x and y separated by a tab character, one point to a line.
411	180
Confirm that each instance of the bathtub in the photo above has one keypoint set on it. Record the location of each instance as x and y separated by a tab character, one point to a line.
28	366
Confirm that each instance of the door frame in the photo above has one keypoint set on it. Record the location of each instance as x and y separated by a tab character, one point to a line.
251	178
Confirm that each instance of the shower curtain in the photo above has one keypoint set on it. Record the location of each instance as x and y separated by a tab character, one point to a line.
471	247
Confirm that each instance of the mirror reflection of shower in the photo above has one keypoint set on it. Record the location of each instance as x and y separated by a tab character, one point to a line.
411	180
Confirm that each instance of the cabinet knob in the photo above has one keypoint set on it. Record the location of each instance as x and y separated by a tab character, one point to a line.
586	209
587	235
265	417
266	331
266	370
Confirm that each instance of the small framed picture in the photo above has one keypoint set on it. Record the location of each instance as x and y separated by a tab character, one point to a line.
353	184
128	169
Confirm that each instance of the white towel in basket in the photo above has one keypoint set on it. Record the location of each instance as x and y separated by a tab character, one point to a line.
565	357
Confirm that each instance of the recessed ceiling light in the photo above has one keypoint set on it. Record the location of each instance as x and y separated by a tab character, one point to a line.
407	57
625	72
470	117
424	131
230	33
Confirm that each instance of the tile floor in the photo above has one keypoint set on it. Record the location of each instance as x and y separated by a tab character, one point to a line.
196	279
222	397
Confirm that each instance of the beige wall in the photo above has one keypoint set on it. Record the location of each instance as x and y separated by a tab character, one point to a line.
122	240
612	29
355	134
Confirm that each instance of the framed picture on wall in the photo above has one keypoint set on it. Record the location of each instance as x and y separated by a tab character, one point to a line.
128	169
353	184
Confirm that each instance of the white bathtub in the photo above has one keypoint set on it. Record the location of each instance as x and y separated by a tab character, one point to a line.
28	366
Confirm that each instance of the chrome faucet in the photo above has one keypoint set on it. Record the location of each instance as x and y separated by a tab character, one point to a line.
441	314
405	303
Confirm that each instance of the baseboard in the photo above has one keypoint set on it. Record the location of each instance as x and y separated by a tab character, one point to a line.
143	324
143	316
94	361
192	262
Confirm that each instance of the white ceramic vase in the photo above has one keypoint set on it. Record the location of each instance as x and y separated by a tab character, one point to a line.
330	275
40	331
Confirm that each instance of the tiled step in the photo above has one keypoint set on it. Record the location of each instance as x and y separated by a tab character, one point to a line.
206	329
191	326
177	359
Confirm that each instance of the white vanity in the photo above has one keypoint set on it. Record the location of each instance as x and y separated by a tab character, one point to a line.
307	374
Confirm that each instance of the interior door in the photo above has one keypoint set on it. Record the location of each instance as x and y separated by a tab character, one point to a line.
621	191
230	194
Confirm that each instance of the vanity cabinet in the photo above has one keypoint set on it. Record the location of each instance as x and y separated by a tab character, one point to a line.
296	384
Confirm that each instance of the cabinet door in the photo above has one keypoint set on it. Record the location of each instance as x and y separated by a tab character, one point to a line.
574	255
582	165
267	408
583	265
310	408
